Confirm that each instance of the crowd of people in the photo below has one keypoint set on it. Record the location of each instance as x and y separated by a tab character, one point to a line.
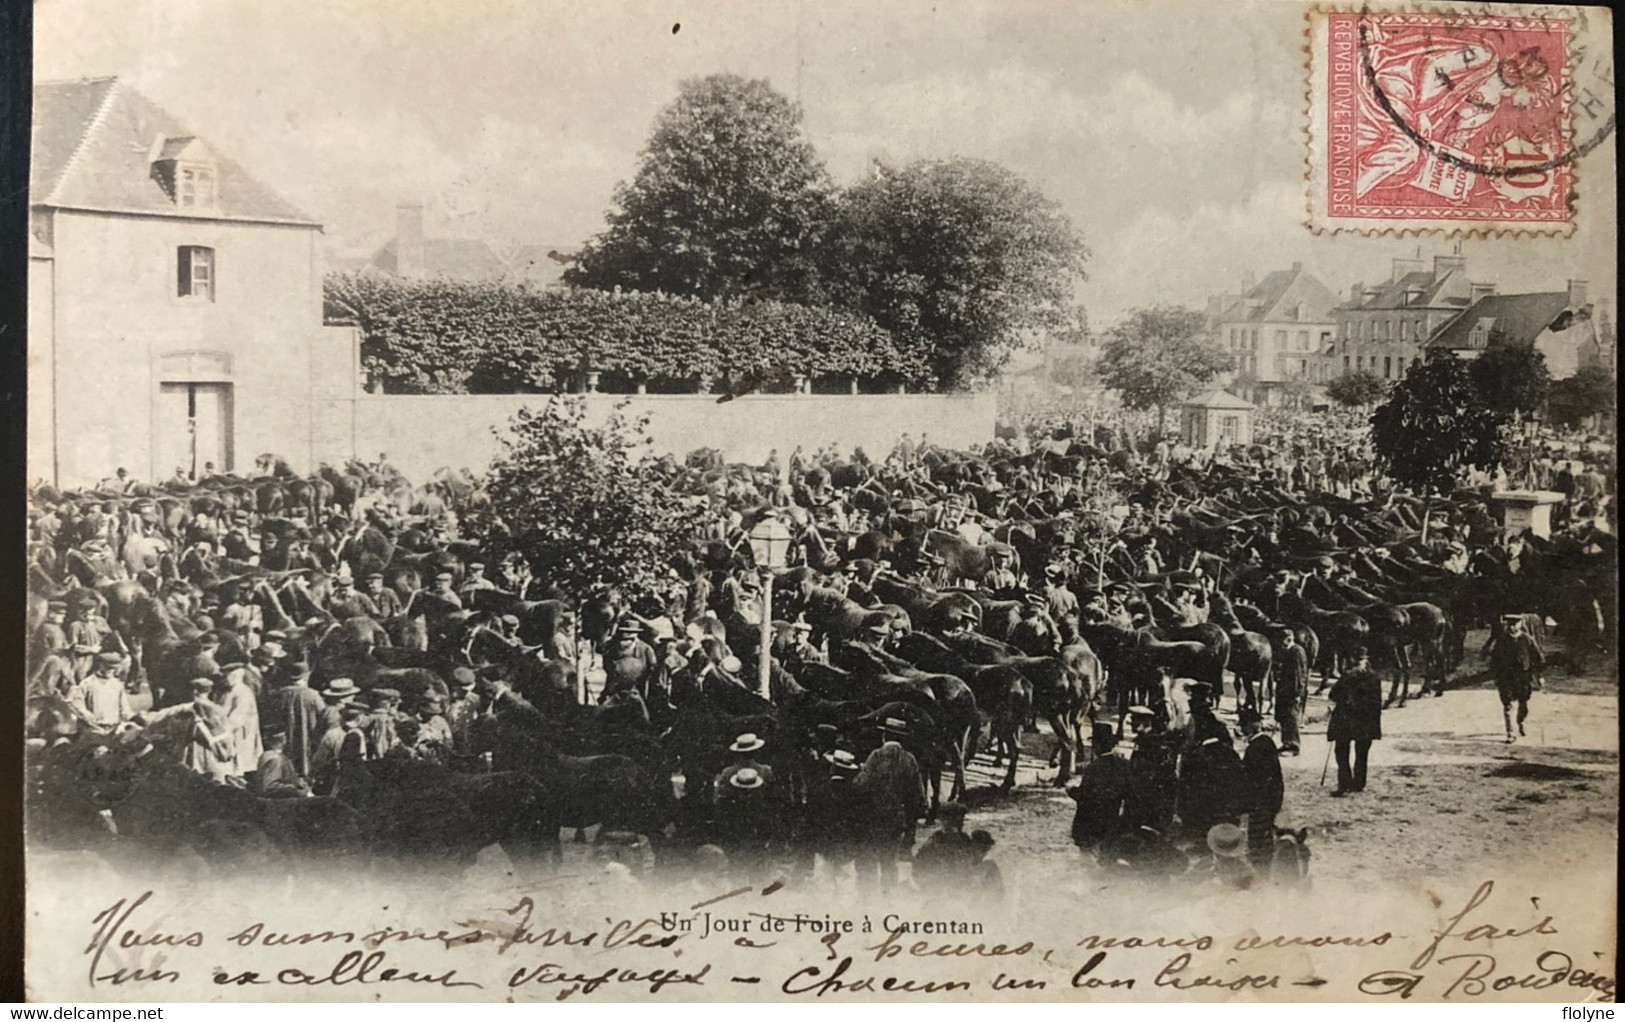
268	641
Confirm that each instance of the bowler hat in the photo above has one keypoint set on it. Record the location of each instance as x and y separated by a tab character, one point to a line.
108	660
462	677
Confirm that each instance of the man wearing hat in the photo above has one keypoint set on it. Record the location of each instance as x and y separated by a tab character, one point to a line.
1210	785
1034	633
462	710
1289	671
434	733
276	776
475	580
1356	721
747	817
49	651
198	565
829	817
801	651
1263	790
1231	868
629	662
386	602
339	693
342	743
1062	604
1103	786
241	709
202	664
102	695
1001	579
89	634
865	655
1515	661
380	724
1153	773
1204	723
346	603
300	713
892	788
235	543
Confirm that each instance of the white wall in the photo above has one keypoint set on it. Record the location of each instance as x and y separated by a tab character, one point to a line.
423	433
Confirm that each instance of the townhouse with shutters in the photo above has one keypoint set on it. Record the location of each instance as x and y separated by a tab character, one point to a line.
1279	331
1386	329
175	301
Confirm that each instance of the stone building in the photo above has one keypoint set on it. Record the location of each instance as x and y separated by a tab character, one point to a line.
175	301
1278	330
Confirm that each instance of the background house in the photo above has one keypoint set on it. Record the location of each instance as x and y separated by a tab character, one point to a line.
1278	331
1384	329
175	314
414	254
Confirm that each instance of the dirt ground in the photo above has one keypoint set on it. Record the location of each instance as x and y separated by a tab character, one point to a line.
1445	791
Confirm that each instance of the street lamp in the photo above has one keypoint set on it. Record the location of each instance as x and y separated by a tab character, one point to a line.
770	544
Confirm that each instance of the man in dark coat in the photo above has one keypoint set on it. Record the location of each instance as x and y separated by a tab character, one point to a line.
1152	773
1356	721
1290	672
1210	783
1263	790
1515	660
1100	792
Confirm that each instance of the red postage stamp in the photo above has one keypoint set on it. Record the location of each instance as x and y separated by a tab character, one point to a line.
1439	119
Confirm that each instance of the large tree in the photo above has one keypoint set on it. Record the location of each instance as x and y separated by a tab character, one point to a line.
1512	379
587	504
1159	356
1434	425
961	253
1577	398
1356	389
729	199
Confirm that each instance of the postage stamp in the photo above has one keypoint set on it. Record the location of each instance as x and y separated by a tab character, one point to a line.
1447	120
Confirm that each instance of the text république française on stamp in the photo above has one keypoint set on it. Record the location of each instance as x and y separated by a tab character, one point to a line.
1455	120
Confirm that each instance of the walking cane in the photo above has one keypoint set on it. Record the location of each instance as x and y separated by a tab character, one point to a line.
1327	765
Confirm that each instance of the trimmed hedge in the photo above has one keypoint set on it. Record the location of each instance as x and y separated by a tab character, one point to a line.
454	337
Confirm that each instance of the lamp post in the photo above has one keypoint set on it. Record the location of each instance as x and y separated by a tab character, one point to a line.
770	544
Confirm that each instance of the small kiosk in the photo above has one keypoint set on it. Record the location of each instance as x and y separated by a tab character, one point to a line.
1216	419
1526	509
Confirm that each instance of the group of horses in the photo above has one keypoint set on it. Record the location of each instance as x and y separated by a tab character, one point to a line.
1336	572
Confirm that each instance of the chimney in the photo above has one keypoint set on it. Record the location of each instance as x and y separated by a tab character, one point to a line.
409	240
1404	266
1357	294
1577	294
1445	264
1483	290
1297	267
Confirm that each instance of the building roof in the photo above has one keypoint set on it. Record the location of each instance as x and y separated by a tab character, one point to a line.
1218	399
94	143
1284	296
1451	290
1515	319
456	258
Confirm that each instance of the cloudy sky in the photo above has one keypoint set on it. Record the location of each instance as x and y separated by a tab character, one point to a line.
1170	132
